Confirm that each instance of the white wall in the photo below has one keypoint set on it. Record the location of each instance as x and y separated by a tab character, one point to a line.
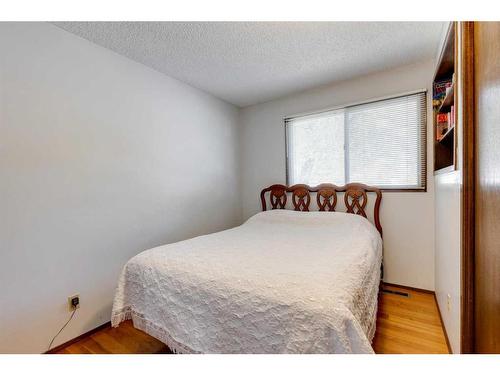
100	158
407	218
448	207
448	242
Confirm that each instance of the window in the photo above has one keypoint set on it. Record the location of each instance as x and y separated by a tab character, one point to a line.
381	143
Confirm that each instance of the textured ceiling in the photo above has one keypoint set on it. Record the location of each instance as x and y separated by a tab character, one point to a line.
252	62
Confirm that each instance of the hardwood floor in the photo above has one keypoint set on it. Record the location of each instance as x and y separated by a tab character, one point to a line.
409	325
404	325
122	340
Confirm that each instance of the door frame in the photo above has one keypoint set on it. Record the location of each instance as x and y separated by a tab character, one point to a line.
468	187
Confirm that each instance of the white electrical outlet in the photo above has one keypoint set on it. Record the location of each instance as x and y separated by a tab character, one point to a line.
74	302
448	302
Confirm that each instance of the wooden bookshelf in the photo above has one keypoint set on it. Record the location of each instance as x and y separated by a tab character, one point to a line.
444	108
448	136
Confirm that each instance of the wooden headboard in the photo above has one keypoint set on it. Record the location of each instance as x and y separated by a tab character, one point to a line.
355	198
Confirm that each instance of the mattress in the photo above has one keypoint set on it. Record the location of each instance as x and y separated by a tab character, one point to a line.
283	282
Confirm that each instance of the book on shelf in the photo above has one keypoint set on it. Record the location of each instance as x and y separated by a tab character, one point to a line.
440	89
451	117
444	122
441	86
441	125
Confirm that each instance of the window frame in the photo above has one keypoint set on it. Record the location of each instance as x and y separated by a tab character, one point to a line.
343	107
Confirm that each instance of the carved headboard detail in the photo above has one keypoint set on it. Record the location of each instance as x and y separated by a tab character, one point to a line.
355	198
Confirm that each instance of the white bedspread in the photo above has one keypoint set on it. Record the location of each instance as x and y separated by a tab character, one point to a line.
283	282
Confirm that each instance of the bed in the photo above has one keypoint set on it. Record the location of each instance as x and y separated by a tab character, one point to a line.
291	279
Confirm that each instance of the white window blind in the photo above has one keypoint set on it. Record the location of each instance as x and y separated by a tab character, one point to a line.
381	143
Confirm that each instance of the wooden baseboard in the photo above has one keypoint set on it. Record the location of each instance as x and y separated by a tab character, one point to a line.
78	338
409	288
